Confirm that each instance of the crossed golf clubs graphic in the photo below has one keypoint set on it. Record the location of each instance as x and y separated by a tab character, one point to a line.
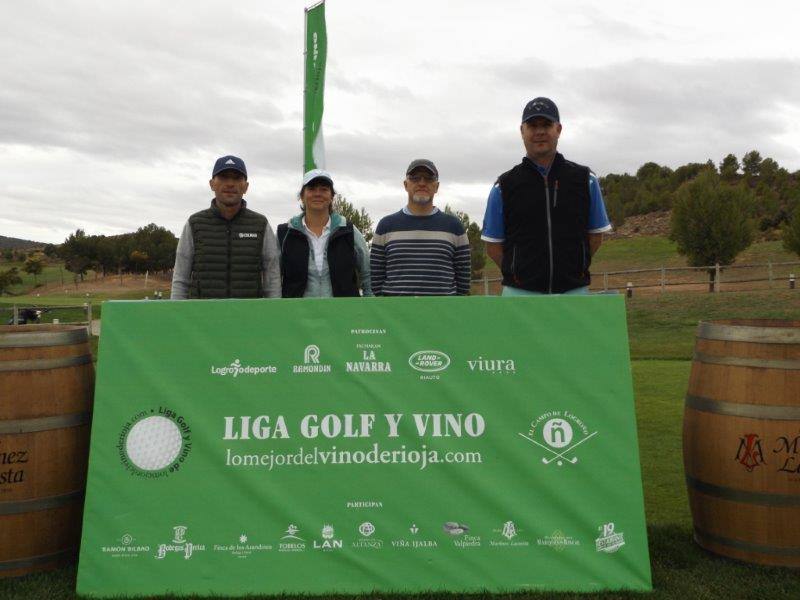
559	456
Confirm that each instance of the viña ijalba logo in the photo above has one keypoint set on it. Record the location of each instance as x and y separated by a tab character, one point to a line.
153	445
558	433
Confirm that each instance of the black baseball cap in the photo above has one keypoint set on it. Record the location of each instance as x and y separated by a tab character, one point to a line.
229	163
425	164
541	107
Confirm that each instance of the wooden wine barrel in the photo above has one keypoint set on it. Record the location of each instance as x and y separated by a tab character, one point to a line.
741	440
46	390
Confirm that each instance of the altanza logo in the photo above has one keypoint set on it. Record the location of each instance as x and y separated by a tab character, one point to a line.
236	368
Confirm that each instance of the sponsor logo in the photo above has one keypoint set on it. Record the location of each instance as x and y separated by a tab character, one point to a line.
557	541
230	161
12	468
429	361
248	235
311	362
154	444
454	528
750	454
369	362
415	542
243	548
504	366
559	433
291	541
125	548
236	368
509	532
329	541
179	545
609	541
366	530
463	539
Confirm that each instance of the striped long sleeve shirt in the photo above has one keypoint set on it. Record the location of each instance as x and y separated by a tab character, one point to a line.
420	256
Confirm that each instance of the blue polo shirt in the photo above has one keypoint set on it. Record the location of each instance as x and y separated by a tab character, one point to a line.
494	230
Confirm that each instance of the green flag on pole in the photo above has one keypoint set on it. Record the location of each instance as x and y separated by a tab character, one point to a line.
314	88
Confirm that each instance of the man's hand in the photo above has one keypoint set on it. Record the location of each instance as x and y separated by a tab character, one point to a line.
495	252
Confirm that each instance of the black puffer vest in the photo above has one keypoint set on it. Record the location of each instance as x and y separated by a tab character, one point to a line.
227	254
546	222
295	256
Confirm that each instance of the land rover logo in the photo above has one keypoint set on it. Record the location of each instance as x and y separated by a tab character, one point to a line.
429	361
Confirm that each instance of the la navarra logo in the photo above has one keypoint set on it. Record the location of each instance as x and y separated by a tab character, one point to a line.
557	434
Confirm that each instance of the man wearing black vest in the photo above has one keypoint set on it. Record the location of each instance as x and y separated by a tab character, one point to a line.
544	218
227	250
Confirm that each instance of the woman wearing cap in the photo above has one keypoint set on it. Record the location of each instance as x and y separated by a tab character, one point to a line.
322	254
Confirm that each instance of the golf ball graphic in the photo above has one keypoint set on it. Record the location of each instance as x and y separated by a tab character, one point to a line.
153	443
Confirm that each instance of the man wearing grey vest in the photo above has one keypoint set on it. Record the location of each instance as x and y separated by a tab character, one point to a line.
227	250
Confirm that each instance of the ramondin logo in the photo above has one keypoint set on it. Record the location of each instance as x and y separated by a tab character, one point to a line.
153	445
311	362
558	433
429	361
235	369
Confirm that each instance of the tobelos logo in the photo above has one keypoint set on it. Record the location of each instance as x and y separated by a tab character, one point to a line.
429	361
558	433
154	445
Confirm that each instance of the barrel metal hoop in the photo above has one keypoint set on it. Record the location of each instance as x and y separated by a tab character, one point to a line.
749	411
703	536
737	361
35	339
748	333
45	423
33	561
734	495
41	364
24	506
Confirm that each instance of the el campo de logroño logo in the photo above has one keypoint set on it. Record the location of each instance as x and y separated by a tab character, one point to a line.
558	434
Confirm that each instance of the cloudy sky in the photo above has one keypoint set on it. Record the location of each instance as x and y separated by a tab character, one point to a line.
112	113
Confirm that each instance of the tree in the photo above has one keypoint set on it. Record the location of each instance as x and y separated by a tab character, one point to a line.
791	233
8	278
33	266
78	253
711	220
358	217
477	249
751	165
8	254
729	168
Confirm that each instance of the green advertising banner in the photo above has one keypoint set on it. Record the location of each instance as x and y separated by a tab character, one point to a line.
314	91
351	445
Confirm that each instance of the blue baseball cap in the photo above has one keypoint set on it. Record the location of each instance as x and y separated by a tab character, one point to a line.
229	163
541	107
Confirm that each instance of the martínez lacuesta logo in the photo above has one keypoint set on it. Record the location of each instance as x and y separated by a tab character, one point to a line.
154	442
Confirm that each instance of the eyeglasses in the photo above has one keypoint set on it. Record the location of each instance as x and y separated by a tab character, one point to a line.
418	178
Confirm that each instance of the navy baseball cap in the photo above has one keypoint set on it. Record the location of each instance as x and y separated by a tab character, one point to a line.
541	107
229	163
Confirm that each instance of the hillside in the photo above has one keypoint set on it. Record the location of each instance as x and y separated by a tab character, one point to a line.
16	243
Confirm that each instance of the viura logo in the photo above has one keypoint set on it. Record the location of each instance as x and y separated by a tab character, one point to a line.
505	366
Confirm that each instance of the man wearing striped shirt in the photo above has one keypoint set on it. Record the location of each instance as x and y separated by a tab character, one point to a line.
420	250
